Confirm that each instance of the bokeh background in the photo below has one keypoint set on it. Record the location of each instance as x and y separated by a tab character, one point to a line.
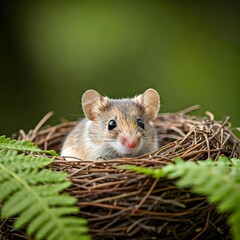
52	51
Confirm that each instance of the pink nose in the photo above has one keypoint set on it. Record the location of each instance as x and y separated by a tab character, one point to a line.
130	142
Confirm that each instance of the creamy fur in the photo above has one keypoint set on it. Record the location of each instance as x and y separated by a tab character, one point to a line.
91	139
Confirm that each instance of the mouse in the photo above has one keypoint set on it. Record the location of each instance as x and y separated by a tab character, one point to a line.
114	128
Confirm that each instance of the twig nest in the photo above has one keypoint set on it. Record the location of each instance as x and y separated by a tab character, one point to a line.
127	205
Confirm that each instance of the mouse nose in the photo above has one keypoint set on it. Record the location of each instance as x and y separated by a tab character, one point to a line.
130	142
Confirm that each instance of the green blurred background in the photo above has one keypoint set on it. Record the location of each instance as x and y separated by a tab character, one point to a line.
52	51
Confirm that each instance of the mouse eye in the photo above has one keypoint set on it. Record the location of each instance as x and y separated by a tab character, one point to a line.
140	123
112	124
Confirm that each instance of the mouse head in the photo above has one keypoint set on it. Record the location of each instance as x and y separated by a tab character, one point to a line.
124	123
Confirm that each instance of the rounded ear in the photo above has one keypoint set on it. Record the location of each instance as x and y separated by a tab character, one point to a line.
150	101
91	100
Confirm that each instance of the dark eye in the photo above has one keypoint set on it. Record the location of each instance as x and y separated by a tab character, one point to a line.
112	124
140	123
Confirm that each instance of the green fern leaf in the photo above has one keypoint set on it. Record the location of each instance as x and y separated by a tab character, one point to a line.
23	146
21	161
8	187
34	194
59	199
234	221
45	230
37	222
218	180
51	189
25	217
44	217
12	144
17	203
45	176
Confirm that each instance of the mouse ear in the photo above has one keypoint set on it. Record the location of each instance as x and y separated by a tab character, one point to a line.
150	101
91	101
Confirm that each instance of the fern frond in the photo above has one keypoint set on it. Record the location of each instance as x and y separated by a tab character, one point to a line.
23	146
218	180
14	160
34	194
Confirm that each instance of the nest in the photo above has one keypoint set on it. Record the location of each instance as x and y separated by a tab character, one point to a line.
127	205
